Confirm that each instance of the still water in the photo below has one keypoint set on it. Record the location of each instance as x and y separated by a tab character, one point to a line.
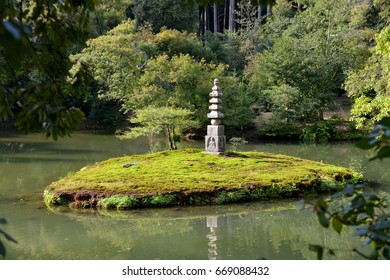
271	230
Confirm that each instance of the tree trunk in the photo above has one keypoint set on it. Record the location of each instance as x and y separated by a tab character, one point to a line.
269	10
201	21
215	18
170	140
259	12
206	18
231	15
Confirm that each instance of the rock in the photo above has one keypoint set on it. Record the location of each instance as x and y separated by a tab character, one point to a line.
236	140
127	165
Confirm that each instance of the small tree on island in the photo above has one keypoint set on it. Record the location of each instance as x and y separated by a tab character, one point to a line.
168	121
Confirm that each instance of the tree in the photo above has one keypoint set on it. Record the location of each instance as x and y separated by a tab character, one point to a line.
109	14
223	13
117	65
180	82
113	61
171	14
232	7
173	42
369	87
306	56
161	120
35	39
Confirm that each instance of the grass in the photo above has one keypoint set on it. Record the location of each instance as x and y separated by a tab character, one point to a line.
191	176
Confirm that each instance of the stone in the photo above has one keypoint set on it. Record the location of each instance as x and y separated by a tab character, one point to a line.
215	141
215	144
127	165
215	130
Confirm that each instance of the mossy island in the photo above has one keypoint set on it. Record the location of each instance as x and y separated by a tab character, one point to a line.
193	177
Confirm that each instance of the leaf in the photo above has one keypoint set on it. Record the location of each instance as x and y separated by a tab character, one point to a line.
364	143
367	242
360	231
364	216
337	225
385	121
12	29
381	236
386	252
382	225
373	255
336	196
358	202
383	152
324	221
3	251
318	249
349	190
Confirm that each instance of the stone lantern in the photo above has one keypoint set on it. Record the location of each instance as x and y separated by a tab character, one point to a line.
215	140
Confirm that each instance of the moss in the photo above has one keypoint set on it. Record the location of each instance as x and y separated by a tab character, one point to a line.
118	201
51	198
192	177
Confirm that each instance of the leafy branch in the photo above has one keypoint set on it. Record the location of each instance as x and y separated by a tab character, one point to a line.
3	250
366	213
379	140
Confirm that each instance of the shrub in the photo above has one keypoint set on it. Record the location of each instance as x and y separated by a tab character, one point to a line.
321	132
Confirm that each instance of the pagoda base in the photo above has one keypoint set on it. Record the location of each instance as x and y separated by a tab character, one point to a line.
215	141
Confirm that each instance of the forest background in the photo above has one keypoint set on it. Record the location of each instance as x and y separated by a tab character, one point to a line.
283	66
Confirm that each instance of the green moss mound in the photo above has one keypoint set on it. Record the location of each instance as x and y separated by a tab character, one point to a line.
192	177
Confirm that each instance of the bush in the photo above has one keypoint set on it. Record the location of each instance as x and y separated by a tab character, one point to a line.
321	132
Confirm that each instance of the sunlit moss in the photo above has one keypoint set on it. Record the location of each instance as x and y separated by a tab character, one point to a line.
190	176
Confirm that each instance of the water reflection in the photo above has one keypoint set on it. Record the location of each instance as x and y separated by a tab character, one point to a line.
212	224
243	231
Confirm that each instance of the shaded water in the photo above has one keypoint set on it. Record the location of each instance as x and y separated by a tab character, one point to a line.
271	230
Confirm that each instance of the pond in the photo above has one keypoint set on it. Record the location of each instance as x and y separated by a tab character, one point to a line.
270	230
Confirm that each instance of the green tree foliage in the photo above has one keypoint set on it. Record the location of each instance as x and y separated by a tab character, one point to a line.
35	39
237	104
138	68
229	49
174	42
172	14
112	60
379	140
306	57
371	15
109	14
168	121
180	81
370	86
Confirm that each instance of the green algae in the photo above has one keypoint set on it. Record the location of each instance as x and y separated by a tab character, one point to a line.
192	177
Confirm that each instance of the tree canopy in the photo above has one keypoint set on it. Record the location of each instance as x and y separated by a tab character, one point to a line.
35	40
370	86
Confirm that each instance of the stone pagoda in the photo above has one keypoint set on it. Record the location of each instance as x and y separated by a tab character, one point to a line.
215	140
